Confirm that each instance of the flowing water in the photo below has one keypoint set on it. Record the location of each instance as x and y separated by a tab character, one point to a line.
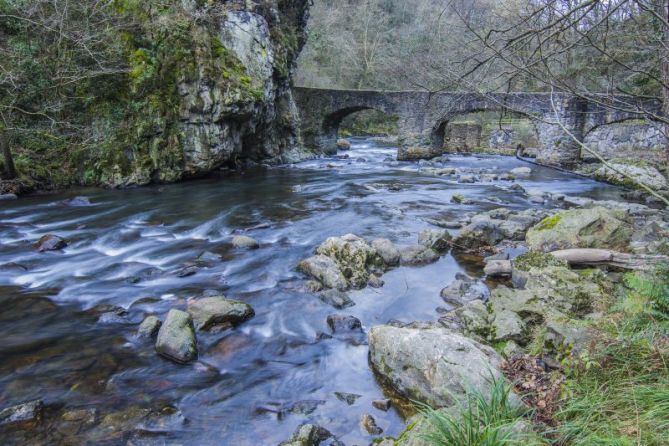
252	385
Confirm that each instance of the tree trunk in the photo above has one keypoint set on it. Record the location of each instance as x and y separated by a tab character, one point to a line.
9	172
664	61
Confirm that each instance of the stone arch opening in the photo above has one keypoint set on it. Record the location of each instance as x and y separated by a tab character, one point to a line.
485	130
332	123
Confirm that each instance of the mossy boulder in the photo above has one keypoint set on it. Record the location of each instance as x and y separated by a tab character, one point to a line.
595	227
353	256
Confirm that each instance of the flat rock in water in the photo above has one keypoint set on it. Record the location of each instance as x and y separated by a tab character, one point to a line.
50	242
348	398
521	171
8	197
176	338
20	415
462	290
369	424
244	242
218	312
77	202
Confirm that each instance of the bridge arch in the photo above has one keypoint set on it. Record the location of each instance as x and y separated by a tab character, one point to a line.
421	116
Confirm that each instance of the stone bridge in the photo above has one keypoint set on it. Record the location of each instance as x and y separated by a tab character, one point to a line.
423	117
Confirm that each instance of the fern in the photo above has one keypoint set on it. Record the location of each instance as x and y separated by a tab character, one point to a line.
654	289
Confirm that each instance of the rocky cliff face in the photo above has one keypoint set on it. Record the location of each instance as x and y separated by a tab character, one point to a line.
212	84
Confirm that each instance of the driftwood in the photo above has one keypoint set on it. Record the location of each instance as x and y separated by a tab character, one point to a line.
621	260
498	268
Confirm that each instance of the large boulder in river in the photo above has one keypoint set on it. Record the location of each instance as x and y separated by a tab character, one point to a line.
343	144
218	313
595	227
636	173
432	365
176	337
50	242
353	256
325	270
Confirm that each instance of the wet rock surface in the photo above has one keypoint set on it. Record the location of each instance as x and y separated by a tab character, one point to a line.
218	313
176	337
50	242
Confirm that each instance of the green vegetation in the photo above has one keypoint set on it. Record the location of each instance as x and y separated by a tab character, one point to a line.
623	397
548	223
100	98
369	123
536	259
483	420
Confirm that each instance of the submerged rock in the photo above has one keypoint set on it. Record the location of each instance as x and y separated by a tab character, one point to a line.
22	415
341	323
336	298
308	435
462	290
432	365
245	242
50	242
368	423
596	227
325	270
521	171
78	202
217	312
176	337
348	398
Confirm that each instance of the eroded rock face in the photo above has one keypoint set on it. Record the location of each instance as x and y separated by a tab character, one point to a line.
176	337
233	95
595	227
432	365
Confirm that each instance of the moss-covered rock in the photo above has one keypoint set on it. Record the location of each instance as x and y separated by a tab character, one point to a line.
595	227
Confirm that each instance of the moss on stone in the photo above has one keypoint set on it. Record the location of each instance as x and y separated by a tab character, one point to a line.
548	222
535	259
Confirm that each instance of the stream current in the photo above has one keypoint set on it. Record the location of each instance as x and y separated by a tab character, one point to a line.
252	385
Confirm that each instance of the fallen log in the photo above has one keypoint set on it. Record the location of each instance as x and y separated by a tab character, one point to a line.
623	260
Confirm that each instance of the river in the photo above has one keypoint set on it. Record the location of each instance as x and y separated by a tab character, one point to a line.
255	384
